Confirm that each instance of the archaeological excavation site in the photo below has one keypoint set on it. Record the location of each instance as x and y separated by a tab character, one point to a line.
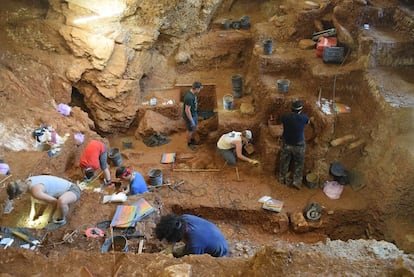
121	72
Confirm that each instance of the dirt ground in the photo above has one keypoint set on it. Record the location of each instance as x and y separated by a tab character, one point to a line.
361	233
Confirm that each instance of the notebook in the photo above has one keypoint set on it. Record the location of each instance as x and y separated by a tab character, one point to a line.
143	209
124	216
168	158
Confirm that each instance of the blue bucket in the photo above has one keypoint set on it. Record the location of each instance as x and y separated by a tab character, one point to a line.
283	85
267	46
155	177
115	157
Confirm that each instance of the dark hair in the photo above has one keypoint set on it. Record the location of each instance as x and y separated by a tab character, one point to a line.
13	189
89	172
171	227
122	172
197	85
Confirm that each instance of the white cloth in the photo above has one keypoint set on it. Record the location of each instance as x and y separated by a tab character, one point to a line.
226	141
116	197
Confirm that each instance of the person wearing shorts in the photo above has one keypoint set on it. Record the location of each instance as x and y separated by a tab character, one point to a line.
53	190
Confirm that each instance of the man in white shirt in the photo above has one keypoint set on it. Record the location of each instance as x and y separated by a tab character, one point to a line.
230	146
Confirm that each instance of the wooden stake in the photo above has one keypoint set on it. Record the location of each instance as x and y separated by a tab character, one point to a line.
342	140
141	245
237	173
1	182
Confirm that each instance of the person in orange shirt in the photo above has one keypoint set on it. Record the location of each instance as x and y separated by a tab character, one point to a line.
93	157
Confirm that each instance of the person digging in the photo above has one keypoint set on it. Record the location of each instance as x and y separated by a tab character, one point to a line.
230	146
53	190
136	182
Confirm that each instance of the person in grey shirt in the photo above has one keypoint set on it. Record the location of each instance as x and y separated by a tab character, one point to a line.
50	189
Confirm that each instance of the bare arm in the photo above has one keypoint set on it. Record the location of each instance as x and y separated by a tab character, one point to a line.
107	174
239	148
38	192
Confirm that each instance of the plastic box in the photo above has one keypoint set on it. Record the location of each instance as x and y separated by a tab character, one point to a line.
333	54
325	42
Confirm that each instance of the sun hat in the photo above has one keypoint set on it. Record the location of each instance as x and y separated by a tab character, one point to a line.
297	105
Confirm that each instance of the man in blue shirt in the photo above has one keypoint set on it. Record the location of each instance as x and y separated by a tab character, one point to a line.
199	235
190	114
137	184
293	144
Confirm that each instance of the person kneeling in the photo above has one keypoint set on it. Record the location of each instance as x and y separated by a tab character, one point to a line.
199	235
136	185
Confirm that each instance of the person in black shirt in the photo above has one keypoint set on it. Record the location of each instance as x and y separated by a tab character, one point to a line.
293	144
190	114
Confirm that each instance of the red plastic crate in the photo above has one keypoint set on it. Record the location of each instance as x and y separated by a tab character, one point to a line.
325	42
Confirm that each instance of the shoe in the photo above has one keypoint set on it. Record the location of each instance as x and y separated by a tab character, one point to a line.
296	186
60	221
282	181
192	146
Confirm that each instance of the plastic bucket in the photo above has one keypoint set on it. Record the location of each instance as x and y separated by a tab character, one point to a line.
116	243
126	144
311	180
155	177
283	85
237	83
228	102
245	22
115	156
267	46
235	24
225	24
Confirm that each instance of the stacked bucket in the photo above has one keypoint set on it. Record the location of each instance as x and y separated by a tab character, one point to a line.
237	83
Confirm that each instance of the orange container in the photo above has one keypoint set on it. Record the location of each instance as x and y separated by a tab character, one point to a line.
325	42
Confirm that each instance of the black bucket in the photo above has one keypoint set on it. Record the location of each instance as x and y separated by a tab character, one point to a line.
127	144
115	156
228	102
267	46
235	24
283	85
237	83
116	243
245	22
225	24
155	177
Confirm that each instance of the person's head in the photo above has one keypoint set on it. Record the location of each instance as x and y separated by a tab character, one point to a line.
171	228
297	106
16	188
123	172
89	172
247	134
197	86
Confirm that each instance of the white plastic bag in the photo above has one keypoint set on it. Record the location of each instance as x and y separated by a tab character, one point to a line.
333	189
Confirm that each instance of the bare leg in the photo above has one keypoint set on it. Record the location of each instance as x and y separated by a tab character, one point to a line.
62	207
